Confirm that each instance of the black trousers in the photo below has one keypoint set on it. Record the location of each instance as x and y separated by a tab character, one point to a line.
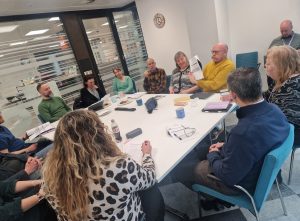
153	203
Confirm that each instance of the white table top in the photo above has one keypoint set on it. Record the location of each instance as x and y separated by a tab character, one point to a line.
167	151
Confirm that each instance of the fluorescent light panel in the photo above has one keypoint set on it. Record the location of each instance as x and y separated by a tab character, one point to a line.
104	24
41	38
125	26
53	46
1	55
18	43
89	32
37	32
10	28
54	19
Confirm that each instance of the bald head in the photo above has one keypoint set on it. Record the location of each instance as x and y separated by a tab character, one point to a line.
219	52
286	28
151	64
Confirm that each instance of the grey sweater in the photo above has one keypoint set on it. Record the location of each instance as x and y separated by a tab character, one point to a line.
295	43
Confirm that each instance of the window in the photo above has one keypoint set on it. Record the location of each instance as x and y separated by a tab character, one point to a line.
33	51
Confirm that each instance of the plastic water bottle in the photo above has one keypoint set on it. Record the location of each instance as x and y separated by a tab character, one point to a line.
116	130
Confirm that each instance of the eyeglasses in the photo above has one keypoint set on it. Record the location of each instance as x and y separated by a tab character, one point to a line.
184	132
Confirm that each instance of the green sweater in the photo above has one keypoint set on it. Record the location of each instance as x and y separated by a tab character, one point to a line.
53	109
124	86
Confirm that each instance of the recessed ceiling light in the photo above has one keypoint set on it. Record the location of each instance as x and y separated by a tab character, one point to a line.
37	32
89	32
60	24
54	19
18	43
10	28
1	55
125	26
106	23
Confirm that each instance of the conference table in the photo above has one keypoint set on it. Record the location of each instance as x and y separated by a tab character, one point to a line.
167	151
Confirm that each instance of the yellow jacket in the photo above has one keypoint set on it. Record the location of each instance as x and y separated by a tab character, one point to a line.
215	75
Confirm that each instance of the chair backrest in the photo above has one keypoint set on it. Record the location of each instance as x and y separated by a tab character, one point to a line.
168	83
134	86
77	103
247	60
271	166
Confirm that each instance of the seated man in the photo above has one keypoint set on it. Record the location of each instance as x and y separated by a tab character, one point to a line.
10	144
155	78
51	108
216	71
261	128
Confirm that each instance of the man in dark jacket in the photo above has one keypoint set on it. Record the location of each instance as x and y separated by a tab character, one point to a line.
261	128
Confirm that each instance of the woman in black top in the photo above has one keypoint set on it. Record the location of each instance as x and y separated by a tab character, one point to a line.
283	66
90	93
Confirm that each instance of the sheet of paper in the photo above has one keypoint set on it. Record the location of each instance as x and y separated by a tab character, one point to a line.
195	68
35	132
133	149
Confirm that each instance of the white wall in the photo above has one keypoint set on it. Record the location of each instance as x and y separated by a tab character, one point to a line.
202	27
162	44
254	24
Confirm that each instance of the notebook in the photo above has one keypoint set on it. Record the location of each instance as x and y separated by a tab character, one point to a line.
222	106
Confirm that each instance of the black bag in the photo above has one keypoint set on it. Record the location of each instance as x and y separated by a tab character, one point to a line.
151	104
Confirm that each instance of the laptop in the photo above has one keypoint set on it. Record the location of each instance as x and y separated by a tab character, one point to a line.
96	106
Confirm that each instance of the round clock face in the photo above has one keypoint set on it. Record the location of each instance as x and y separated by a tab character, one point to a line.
159	20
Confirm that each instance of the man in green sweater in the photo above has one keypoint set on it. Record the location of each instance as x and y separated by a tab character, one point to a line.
51	108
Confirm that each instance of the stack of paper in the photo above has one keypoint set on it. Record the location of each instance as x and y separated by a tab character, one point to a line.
34	132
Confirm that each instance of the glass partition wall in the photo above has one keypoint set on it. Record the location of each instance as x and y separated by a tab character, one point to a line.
38	50
104	46
34	51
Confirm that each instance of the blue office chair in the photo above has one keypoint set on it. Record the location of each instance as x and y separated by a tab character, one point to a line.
247	60
134	86
271	166
295	147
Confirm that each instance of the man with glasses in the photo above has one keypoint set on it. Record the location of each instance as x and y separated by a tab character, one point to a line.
216	71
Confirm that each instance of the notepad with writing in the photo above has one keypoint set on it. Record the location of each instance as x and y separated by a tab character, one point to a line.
221	106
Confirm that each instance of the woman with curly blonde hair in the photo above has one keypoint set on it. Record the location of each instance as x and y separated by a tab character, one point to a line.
87	177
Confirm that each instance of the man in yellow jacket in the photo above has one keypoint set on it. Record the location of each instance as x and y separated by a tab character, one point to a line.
216	71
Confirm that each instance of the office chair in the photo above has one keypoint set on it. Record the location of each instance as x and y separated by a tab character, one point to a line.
168	83
134	86
247	60
271	166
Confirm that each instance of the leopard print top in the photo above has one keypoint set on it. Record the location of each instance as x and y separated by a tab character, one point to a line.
115	195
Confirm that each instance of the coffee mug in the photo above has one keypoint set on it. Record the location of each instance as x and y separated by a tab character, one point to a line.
180	112
139	102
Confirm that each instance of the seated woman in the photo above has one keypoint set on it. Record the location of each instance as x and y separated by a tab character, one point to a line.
180	81
122	83
87	177
90	93
283	66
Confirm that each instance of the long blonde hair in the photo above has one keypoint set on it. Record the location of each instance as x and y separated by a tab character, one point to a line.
286	60
81	145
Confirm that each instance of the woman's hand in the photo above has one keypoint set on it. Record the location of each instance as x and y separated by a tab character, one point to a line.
171	90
